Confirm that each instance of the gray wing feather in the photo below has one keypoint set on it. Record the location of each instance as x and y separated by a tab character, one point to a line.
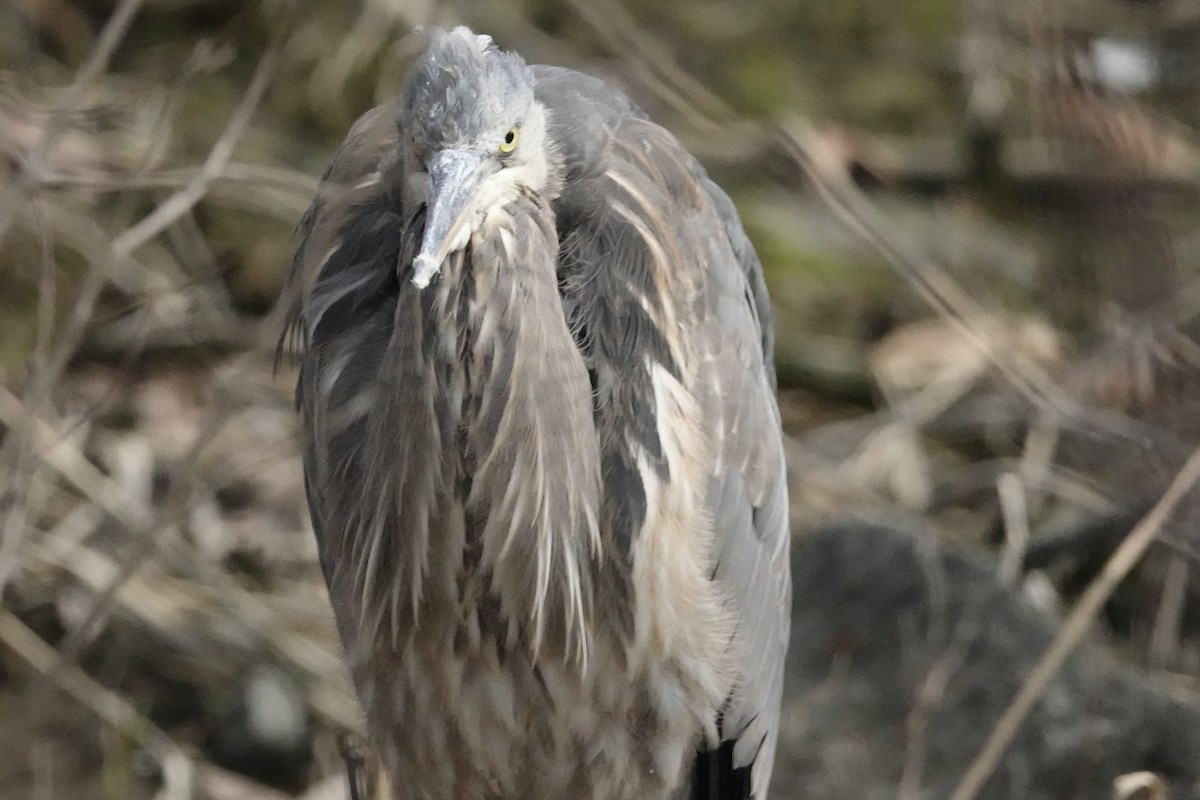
748	493
342	291
731	328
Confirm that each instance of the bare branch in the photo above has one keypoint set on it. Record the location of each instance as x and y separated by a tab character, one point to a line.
110	37
219	157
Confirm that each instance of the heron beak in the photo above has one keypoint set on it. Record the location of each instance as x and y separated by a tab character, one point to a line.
454	176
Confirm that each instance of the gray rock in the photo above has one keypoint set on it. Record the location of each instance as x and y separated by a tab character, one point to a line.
904	654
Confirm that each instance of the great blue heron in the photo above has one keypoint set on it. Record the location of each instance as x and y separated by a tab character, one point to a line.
543	454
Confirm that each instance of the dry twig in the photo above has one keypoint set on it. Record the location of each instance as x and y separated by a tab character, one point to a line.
106	704
1074	628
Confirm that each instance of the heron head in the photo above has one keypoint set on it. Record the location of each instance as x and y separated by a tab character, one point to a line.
475	138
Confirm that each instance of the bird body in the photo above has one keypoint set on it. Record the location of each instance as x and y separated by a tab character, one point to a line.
543	456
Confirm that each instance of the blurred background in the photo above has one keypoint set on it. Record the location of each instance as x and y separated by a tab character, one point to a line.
978	223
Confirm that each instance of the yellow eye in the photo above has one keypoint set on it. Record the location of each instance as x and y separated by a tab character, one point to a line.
511	139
